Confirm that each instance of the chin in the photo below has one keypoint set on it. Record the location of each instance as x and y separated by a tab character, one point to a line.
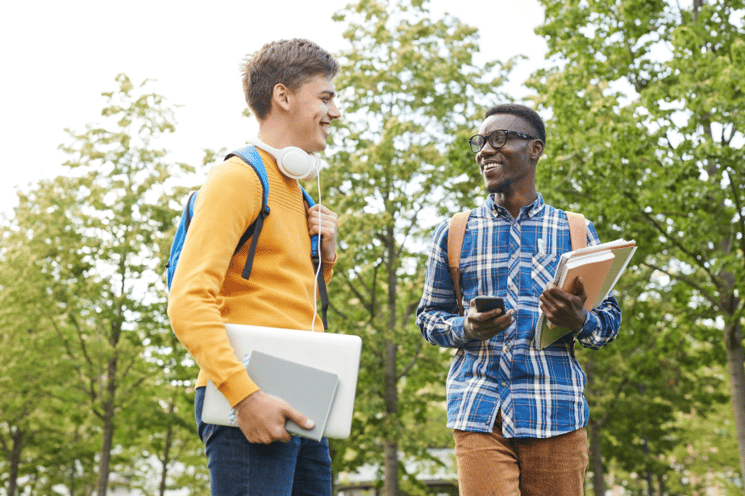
500	188
317	146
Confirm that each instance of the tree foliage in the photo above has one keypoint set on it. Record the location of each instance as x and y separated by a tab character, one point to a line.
82	261
646	138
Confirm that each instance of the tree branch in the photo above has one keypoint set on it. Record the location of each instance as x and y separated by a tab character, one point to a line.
738	205
357	293
674	240
688	281
412	362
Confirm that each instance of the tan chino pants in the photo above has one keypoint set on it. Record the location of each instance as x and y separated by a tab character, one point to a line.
490	465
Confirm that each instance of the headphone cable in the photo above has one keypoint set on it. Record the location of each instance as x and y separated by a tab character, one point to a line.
320	257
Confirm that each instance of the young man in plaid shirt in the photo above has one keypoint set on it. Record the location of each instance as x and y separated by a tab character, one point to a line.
518	413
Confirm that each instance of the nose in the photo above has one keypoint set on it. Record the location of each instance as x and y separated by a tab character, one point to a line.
486	151
334	111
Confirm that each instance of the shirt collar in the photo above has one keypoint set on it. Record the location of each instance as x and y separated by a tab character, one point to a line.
528	211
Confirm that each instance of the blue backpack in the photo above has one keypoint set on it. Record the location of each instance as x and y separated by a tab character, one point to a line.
249	155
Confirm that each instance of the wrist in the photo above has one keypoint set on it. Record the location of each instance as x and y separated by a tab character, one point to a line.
248	400
582	321
467	330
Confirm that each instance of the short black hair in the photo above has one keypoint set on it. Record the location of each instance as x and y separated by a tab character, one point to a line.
526	113
288	62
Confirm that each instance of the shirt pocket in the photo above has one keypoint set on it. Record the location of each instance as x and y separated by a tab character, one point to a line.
542	271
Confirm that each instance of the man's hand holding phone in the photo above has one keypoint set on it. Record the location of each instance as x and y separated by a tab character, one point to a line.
486	318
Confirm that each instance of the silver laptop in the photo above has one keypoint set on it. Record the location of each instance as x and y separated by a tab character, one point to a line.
336	353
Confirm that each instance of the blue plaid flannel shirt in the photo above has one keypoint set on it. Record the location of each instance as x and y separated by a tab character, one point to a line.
540	392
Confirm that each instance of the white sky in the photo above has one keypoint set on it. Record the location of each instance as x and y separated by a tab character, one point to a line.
57	57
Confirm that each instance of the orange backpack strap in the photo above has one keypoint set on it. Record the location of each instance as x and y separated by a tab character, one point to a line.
456	233
577	230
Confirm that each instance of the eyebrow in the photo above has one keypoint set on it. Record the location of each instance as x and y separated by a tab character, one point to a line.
332	94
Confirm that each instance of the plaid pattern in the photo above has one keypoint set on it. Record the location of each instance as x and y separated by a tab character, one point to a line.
540	392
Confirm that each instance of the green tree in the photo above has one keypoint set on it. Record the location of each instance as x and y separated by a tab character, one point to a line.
162	432
640	387
409	88
40	429
97	237
646	99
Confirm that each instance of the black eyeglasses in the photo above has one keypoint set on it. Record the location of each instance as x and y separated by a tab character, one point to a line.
497	139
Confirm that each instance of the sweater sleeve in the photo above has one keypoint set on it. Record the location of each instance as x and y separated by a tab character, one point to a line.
227	203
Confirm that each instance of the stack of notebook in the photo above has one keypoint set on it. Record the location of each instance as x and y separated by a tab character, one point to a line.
600	267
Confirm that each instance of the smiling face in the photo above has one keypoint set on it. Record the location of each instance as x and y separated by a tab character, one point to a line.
511	168
311	110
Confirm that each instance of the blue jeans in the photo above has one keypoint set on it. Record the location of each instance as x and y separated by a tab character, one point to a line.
300	467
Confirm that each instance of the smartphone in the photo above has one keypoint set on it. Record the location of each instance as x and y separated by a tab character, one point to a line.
486	303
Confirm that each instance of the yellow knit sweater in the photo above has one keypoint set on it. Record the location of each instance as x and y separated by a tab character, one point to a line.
207	288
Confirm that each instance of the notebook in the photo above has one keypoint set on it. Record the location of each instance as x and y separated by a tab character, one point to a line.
600	267
329	352
309	390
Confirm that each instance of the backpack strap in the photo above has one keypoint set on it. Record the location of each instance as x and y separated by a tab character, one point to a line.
309	202
250	156
456	233
189	210
577	230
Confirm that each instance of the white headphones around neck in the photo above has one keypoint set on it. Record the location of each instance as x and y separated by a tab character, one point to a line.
292	161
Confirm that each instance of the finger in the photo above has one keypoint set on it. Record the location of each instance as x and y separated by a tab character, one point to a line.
547	309
327	223
300	419
324	211
284	436
579	288
551	292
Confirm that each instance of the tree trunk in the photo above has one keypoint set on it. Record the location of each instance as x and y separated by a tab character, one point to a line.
15	461
596	460
390	447
390	485
735	361
167	450
595	428
102	480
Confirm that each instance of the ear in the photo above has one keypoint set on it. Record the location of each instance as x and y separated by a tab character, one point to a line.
536	149
281	96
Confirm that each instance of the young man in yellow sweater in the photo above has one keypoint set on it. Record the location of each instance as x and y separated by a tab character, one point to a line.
289	87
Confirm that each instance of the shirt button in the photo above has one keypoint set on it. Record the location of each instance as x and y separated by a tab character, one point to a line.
513	256
504	384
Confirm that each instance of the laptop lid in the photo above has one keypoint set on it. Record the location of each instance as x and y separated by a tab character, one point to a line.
335	353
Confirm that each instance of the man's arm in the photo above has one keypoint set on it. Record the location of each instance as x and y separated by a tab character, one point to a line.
437	314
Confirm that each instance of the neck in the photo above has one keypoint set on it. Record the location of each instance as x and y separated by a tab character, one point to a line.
273	132
514	201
